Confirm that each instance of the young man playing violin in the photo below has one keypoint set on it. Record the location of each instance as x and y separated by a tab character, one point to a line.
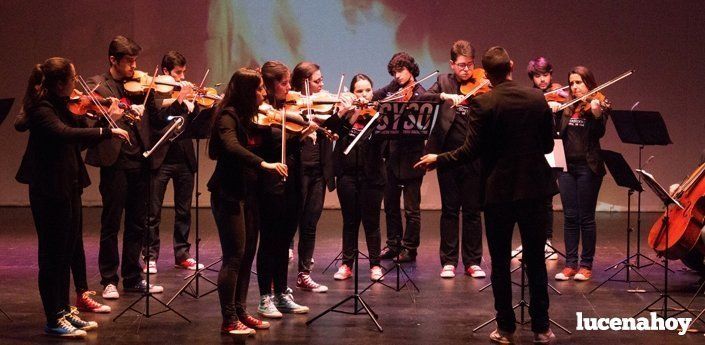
459	185
123	175
401	176
176	161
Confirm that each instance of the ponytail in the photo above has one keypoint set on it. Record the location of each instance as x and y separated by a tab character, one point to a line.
44	79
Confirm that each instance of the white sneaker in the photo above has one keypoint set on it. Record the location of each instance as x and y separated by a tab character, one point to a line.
376	274
550	254
475	271
152	266
344	272
110	292
267	308
448	271
516	253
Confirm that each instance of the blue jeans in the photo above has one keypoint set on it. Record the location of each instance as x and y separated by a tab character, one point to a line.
579	188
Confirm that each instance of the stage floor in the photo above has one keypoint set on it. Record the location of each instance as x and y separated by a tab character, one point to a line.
444	312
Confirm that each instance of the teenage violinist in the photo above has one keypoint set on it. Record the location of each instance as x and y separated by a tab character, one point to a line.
581	127
53	169
123	175
360	182
316	174
279	203
401	176
460	185
236	146
174	160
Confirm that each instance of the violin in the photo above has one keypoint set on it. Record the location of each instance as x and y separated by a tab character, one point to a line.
206	97
604	102
557	94
320	103
295	123
141	82
475	83
82	104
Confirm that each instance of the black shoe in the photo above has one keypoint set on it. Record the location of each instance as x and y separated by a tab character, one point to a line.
141	286
388	253
406	255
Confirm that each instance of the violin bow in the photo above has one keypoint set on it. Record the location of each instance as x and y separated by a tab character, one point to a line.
596	90
556	90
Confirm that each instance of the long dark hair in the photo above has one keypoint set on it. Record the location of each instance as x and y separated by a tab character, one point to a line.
302	71
272	73
240	94
44	80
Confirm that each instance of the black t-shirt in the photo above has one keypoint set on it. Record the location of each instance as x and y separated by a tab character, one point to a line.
576	139
311	154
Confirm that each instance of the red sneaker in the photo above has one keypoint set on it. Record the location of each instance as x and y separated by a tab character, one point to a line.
189	264
253	322
236	328
84	302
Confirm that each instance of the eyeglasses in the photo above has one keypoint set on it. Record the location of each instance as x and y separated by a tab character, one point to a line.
464	65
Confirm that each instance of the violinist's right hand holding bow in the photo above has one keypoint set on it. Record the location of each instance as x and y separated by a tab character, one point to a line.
456	99
120	133
278	168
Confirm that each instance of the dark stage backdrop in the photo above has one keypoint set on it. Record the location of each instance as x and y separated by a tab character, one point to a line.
663	41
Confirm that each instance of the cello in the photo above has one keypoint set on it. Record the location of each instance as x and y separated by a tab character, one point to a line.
682	226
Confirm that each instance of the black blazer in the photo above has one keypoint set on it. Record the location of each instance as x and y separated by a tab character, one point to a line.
446	115
106	153
52	163
366	155
510	130
596	130
401	155
160	123
230	178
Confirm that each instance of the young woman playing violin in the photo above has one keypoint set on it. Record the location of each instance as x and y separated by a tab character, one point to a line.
53	169
360	181
581	127
459	186
278	200
402	177
233	186
316	173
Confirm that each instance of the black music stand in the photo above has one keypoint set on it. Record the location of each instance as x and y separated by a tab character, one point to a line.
668	202
146	294
640	128
198	128
5	106
359	304
624	177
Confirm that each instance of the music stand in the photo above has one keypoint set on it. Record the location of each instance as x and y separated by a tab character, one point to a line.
668	201
198	128
640	128
624	177
5	106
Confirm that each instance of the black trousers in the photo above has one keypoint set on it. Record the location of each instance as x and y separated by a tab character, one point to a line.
58	222
313	193
230	220
278	223
251	236
360	203
122	189
396	235
460	192
183	180
531	217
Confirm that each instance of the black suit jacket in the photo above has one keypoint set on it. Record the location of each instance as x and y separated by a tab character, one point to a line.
366	155
446	115
106	153
510	130
235	162
161	122
401	155
52	163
